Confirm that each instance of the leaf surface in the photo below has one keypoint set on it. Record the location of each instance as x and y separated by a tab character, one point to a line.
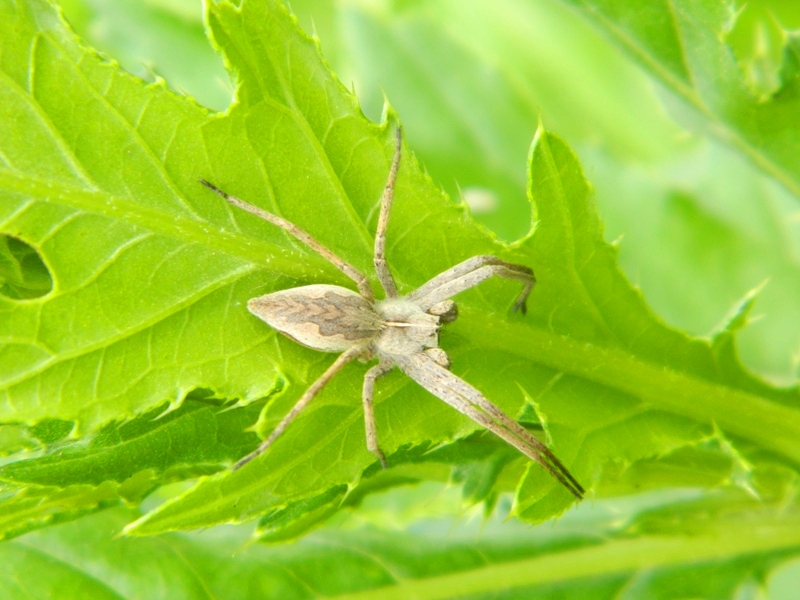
634	557
151	274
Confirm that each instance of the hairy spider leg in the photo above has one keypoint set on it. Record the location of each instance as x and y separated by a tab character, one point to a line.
379	257
314	389
470	402
361	281
470	273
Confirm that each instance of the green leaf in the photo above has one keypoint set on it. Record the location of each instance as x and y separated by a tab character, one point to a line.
122	463
682	44
155	40
642	556
151	274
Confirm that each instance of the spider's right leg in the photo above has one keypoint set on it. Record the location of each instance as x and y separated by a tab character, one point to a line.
307	397
466	399
375	373
468	274
361	281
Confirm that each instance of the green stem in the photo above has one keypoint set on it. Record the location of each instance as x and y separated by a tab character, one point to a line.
769	424
725	542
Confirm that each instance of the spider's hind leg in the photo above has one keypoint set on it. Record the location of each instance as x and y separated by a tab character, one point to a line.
314	389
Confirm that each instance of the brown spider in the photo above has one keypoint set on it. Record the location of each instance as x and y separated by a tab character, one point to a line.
398	330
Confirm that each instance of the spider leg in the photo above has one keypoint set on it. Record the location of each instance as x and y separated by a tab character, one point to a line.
470	402
470	273
361	281
466	390
314	389
375	373
381	267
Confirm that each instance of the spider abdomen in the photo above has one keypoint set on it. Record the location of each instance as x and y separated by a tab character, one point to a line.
324	317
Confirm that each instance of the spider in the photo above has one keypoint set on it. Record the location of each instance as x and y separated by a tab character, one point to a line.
400	331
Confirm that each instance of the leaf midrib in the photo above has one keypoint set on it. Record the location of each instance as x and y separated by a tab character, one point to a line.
770	533
289	262
770	424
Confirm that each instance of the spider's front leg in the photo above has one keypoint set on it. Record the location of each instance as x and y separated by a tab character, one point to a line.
379	256
361	281
470	273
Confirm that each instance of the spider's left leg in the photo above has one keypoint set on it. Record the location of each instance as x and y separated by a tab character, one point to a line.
307	397
361	281
478	399
375	373
379	257
469	401
470	273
